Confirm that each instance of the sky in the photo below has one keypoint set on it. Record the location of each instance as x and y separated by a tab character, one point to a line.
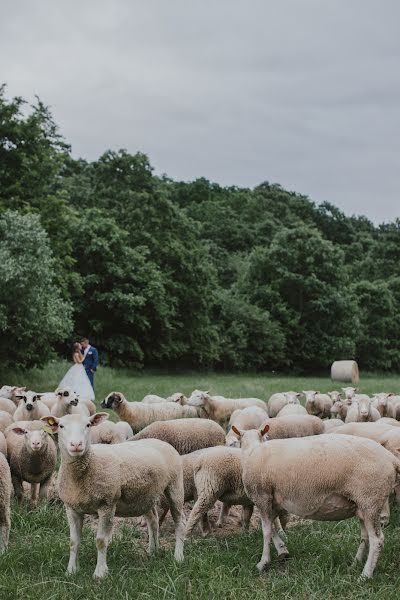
304	93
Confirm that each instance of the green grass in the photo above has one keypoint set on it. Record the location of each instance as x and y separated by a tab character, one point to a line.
215	567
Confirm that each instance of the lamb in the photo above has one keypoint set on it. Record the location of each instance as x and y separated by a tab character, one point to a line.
123	479
140	415
292	409
3	444
185	435
30	408
68	403
340	409
32	455
318	404
251	417
278	401
361	410
5	420
124	429
5	501
326	477
106	433
7	405
330	424
219	408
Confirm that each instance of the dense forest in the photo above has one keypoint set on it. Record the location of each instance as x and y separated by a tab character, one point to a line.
181	274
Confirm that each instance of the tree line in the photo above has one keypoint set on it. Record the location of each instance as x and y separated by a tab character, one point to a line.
181	274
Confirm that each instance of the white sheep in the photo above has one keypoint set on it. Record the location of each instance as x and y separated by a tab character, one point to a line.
277	401
340	409
251	417
153	399
380	402
106	433
292	409
334	395
177	397
11	392
119	480
7	405
185	435
5	420
393	409
30	408
32	455
3	444
349	392
361	410
139	415
124	429
318	404
330	424
326	477
68	403
219	408
5	501
291	426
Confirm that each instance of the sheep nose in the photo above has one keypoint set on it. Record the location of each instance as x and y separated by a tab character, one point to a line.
36	445
29	407
76	446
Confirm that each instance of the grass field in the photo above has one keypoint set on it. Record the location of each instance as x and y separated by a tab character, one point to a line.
220	567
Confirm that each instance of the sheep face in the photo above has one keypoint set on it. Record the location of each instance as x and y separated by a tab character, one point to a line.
292	397
310	395
334	396
364	406
382	398
68	396
336	408
74	432
35	440
28	398
112	400
251	437
349	392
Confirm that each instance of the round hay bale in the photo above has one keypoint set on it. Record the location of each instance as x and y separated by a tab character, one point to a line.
345	371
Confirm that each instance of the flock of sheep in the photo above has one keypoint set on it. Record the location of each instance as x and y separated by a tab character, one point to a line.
332	459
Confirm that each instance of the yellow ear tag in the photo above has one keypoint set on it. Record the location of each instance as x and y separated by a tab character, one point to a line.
48	429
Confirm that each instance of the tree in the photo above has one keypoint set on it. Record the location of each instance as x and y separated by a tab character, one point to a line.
33	317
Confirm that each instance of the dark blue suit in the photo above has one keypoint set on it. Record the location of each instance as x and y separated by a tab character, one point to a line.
90	363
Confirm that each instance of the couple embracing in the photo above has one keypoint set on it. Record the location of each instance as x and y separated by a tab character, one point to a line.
80	376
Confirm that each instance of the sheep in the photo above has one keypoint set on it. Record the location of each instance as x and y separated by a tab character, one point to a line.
327	477
5	502
292	409
277	401
384	434
334	395
251	417
349	392
340	409
30	408
140	415
291	426
7	405
380	402
5	420
153	399
106	433
361	410
318	404
122	479
330	424
11	392
185	435
124	429
389	421
393	409
32	455
219	408
68	403
177	397
3	444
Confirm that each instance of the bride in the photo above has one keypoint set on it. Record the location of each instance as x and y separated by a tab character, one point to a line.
76	377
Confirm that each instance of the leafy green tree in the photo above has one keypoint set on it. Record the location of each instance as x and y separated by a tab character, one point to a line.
33	317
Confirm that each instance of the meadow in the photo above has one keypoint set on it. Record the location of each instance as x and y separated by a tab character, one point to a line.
220	566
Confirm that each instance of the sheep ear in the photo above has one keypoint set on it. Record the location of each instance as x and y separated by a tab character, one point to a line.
52	423
236	430
19	430
299	394
265	430
98	418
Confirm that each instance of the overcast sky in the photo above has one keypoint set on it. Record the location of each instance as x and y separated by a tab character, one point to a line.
305	93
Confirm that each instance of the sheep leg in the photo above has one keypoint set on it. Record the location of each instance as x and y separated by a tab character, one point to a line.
43	490
224	512
266	522
75	521
205	525
175	497
163	515
247	512
385	514
363	544
34	493
4	528
18	489
103	536
152	527
201	507
279	544
375	538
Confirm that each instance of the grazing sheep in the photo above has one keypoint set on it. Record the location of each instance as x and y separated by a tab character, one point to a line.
5	501
292	409
251	417
327	477
185	435
340	409
3	444
219	408
279	400
330	424
32	455
30	408
361	410
68	403
123	480
139	415
106	433
318	404
7	405
5	420
124	429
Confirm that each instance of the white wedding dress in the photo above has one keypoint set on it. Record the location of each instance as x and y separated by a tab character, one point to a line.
77	379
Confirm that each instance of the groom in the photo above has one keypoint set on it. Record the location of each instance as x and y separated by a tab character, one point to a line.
90	359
